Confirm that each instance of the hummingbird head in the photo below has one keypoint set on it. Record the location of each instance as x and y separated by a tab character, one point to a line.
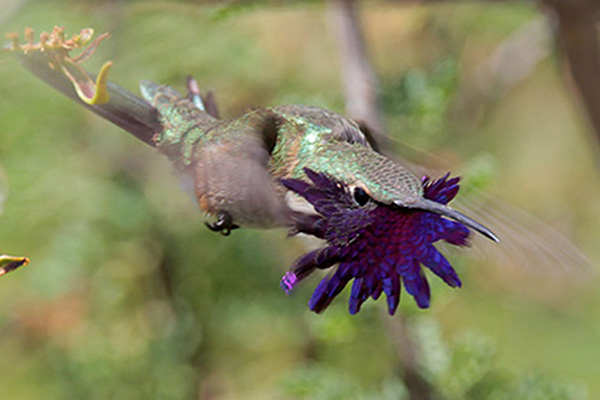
380	180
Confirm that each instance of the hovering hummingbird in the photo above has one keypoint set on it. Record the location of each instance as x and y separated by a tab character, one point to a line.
305	168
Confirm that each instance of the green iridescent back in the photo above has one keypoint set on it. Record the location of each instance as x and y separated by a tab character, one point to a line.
325	141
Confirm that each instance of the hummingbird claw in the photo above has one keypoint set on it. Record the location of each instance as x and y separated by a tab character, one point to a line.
224	224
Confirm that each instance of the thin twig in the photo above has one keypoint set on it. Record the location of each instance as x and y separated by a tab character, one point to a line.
577	36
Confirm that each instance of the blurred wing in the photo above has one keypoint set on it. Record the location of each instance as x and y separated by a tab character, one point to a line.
371	136
526	241
231	175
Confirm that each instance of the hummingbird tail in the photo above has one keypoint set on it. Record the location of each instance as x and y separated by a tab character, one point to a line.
123	108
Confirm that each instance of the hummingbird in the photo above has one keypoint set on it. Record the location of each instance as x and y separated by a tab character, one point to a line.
308	169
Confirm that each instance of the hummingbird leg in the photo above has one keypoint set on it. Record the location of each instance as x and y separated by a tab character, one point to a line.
224	224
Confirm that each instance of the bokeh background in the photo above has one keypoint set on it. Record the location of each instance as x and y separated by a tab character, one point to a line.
129	296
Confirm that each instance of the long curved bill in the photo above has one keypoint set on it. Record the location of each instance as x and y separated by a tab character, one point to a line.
441	209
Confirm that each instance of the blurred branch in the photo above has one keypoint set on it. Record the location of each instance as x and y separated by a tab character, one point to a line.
359	78
577	35
407	352
457	1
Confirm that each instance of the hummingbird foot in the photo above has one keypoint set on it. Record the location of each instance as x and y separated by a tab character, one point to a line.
224	224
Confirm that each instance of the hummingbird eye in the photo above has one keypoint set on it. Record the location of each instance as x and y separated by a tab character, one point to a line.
360	196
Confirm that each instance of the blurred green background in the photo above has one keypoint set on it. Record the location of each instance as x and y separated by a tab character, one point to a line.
129	296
